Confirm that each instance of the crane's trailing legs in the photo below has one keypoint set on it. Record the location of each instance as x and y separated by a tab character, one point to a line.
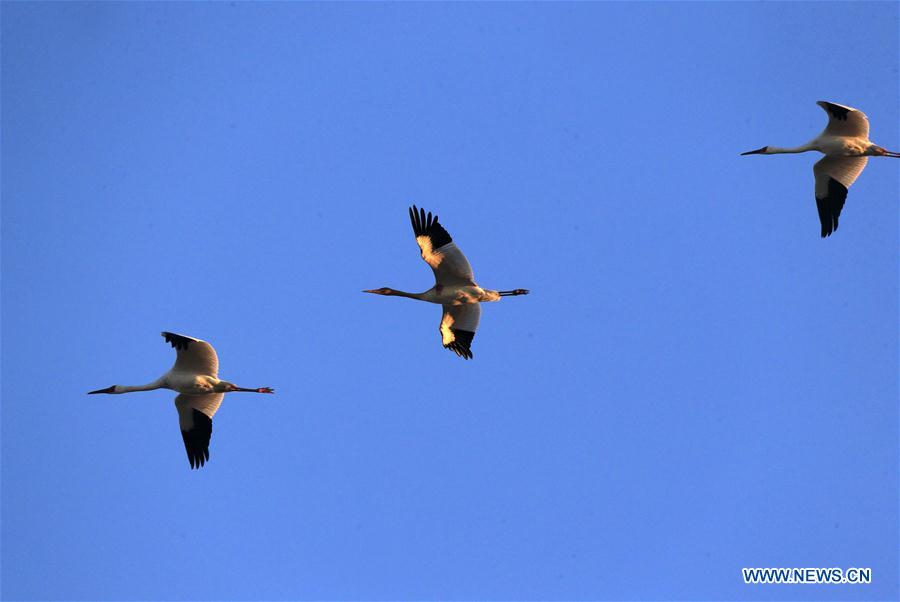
257	390
518	291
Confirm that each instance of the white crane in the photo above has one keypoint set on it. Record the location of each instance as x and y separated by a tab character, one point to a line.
846	146
454	289
195	378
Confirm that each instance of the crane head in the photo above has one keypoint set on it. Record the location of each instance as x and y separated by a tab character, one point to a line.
381	291
111	389
759	151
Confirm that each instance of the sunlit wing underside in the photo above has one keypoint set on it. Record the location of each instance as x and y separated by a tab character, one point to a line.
194	356
834	176
844	121
458	326
195	414
439	251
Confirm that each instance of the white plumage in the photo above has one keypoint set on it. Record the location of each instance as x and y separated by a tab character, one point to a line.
846	146
195	376
454	287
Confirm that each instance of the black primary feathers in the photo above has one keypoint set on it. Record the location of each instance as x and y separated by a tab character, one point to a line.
462	343
830	206
177	341
196	439
839	113
425	225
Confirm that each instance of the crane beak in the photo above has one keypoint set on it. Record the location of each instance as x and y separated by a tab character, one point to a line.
372	291
758	151
111	389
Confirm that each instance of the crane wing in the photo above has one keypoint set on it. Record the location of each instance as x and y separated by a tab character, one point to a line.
195	414
458	326
194	356
439	251
844	121
834	175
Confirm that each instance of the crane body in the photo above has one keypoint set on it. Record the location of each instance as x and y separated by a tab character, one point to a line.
195	378
455	288
451	295
847	148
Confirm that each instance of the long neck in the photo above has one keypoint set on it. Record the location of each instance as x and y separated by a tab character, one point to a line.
777	150
156	384
397	293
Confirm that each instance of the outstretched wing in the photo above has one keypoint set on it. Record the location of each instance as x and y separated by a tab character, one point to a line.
195	414
458	326
439	251
834	175
844	121
194	356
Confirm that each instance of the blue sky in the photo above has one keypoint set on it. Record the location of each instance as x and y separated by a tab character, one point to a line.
697	383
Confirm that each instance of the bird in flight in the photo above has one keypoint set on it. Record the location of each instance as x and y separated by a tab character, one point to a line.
454	289
846	146
195	378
